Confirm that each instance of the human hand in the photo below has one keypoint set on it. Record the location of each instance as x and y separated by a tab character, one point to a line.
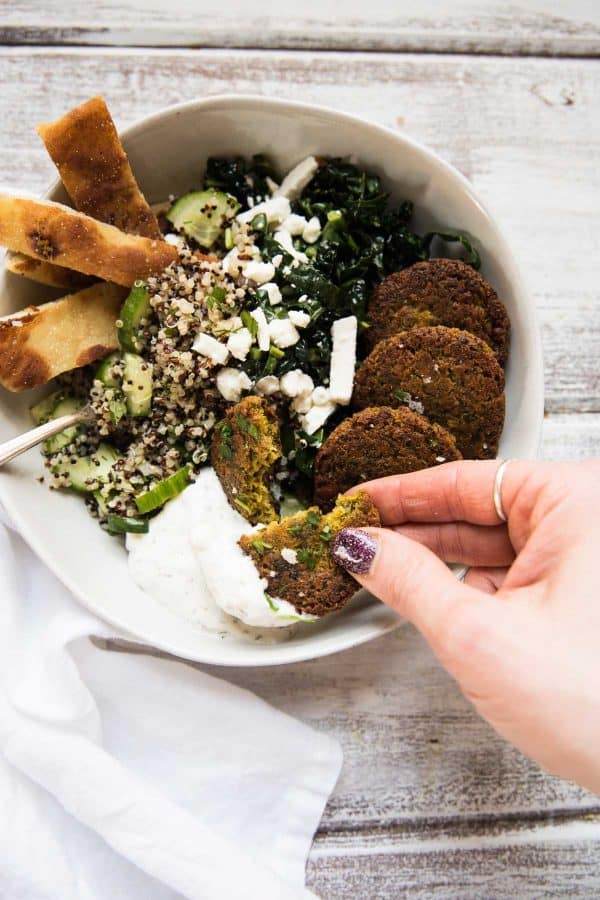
521	635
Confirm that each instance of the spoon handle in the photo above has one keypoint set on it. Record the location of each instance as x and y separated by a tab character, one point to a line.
16	446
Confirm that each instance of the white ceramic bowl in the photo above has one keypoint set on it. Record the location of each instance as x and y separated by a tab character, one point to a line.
168	152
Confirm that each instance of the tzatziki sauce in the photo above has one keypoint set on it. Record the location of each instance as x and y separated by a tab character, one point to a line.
190	561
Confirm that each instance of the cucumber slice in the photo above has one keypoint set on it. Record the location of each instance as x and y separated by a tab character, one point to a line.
163	491
137	384
134	311
203	215
126	524
102	503
88	469
104	372
42	411
63	438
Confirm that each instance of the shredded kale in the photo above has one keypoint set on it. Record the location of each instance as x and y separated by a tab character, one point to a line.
240	177
364	237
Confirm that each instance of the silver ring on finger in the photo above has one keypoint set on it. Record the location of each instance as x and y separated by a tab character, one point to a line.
497	493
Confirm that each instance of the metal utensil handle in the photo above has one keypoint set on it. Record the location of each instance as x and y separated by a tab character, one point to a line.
16	446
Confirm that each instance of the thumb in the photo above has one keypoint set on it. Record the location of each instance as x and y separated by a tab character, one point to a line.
455	619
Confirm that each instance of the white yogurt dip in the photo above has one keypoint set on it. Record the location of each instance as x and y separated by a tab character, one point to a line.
190	561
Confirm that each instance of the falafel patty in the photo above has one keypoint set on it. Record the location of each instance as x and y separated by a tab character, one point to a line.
244	448
376	442
294	555
440	292
447	375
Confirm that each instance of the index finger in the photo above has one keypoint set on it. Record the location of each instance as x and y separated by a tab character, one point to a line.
454	492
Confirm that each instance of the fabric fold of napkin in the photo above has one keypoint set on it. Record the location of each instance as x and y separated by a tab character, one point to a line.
128	776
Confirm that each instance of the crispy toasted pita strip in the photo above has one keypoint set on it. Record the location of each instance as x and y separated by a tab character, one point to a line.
51	231
86	150
44	272
42	341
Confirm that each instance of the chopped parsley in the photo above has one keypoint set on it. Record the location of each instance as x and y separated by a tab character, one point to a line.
327	533
260	546
402	396
308	558
247	426
225	434
313	518
217	298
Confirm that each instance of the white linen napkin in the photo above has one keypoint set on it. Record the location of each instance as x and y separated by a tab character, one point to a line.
129	777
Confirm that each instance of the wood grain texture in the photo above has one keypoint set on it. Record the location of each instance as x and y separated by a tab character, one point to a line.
525	131
430	802
555	861
465	26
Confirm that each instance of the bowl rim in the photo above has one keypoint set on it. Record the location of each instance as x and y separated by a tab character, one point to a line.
282	654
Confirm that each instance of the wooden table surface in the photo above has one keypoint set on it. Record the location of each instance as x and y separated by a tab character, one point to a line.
430	801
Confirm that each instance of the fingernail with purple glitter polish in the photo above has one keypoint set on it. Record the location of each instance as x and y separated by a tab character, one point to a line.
354	550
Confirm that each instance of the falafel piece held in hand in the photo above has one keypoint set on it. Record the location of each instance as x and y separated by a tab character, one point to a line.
449	376
439	292
245	446
294	555
376	442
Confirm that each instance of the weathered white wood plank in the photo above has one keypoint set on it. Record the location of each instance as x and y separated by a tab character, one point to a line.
552	861
525	131
465	26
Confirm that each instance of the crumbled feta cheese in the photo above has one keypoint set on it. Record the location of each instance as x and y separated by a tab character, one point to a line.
239	343
176	240
294	224
320	396
440	459
284	239
296	383
277	260
295	181
272	291
210	347
231	263
299	318
290	556
276	209
317	416
231	383
267	385
312	230
301	404
343	359
283	333
264	339
259	272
